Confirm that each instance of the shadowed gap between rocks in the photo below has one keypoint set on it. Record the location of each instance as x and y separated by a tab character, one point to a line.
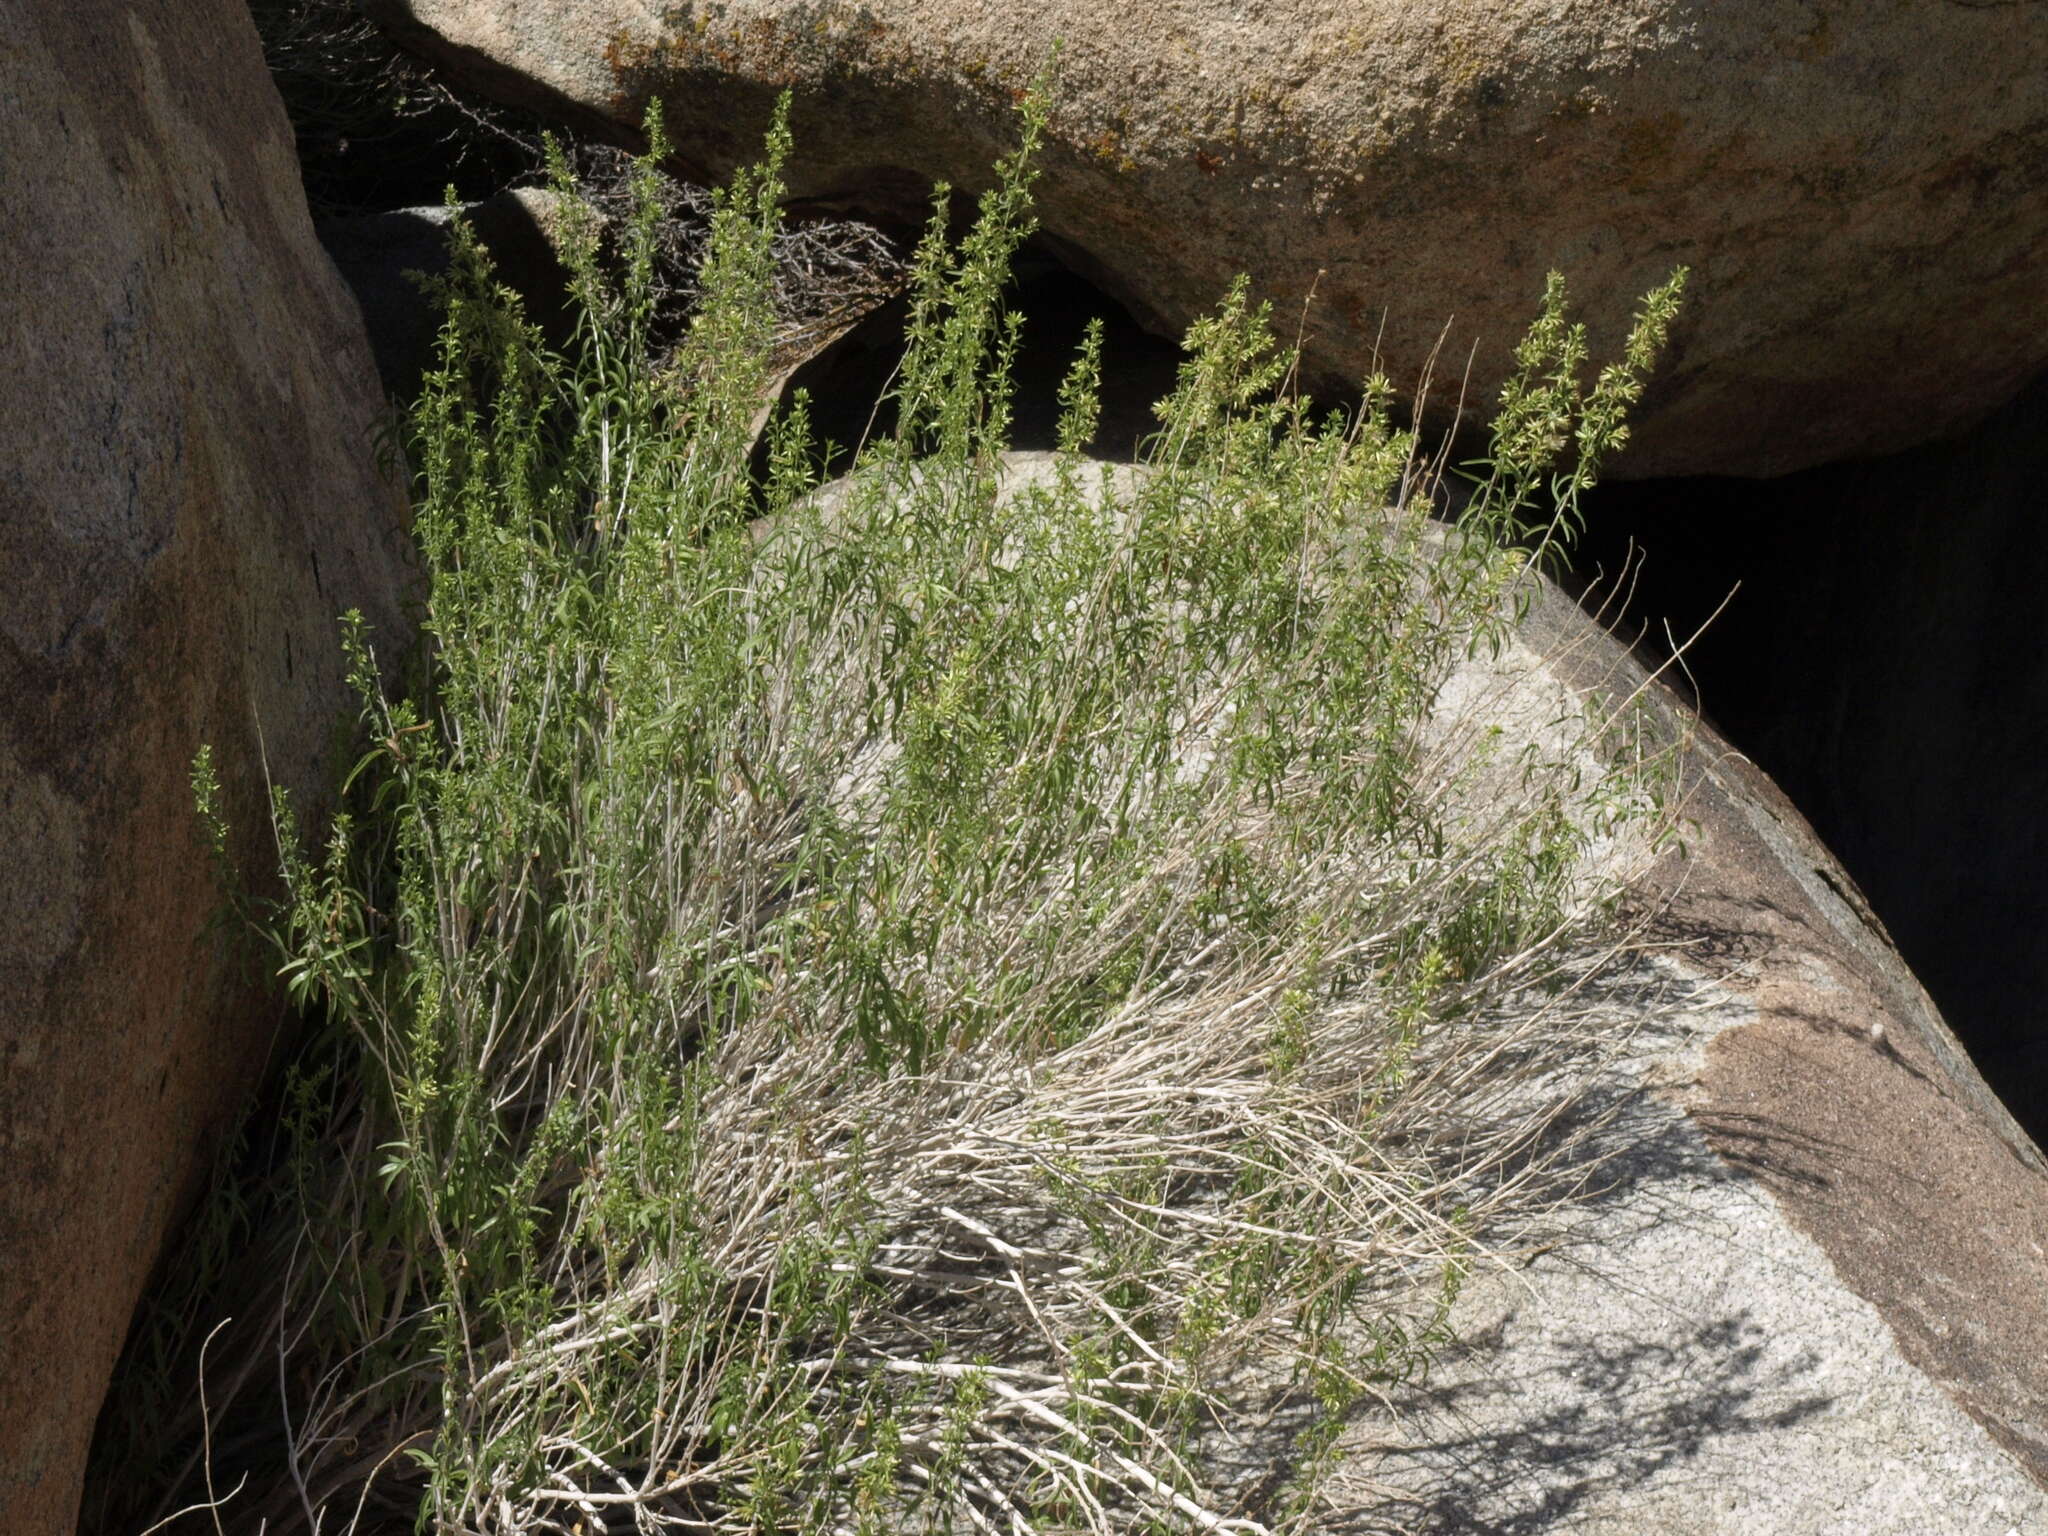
1882	657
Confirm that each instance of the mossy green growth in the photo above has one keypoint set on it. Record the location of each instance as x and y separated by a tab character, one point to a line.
870	1008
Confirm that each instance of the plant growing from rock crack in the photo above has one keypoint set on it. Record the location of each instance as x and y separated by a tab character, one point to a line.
914	1005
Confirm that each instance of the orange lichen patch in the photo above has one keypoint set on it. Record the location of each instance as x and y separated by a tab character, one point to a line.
1108	147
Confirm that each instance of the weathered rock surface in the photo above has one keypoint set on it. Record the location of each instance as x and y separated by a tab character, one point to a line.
1809	1298
188	498
1858	189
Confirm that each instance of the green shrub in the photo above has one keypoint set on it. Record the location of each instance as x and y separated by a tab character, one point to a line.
902	1006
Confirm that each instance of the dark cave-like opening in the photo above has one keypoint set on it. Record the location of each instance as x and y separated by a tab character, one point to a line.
1882	657
377	128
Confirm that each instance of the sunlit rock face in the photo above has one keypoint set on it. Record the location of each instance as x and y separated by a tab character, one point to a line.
1858	189
1810	1277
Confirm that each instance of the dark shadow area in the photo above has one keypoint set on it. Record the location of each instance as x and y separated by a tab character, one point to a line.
377	127
1883	658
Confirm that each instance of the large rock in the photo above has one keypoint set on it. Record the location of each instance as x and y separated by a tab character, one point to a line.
188	497
1858	189
1806	1296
